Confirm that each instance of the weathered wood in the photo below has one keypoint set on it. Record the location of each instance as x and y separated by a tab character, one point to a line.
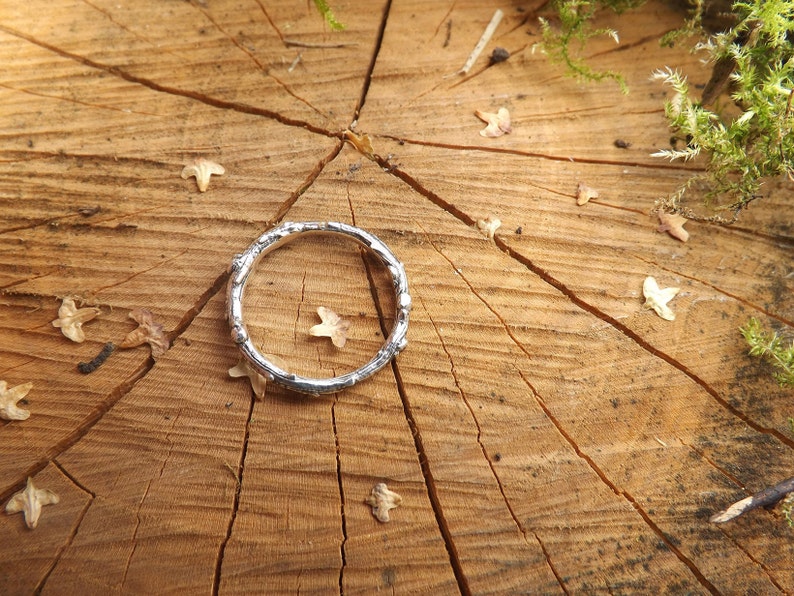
546	434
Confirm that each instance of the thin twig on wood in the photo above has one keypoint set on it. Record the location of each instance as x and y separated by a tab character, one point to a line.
295	62
486	37
768	496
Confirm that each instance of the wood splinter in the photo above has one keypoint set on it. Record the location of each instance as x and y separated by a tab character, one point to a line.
486	37
766	498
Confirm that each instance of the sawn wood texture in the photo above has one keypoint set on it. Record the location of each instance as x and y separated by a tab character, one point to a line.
546	433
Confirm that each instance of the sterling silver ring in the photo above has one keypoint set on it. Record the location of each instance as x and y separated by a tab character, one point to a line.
241	268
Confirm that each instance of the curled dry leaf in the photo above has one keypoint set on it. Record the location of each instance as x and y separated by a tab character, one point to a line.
489	226
70	319
9	398
673	224
498	124
332	326
584	193
656	298
382	500
202	169
30	502
258	382
147	332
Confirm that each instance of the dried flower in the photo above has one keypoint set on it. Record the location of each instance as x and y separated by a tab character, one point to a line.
332	326
30	502
498	124
657	298
147	332
70	319
362	142
489	226
9	399
584	193
202	169
382	500
673	224
258	382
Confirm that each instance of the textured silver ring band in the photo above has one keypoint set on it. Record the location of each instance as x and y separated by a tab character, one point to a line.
244	263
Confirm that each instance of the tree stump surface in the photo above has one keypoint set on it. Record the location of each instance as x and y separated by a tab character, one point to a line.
546	433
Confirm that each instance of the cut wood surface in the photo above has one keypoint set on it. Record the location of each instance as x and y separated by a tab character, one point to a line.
547	434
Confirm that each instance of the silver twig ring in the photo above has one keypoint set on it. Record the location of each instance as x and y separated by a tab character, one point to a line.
241	268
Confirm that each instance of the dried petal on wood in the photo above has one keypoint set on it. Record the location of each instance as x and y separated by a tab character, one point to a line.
673	224
584	193
9	398
332	326
258	382
30	502
382	500
148	331
498	124
70	319
202	169
362	142
489	226
656	298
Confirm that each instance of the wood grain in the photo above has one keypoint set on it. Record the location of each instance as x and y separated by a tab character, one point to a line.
546	433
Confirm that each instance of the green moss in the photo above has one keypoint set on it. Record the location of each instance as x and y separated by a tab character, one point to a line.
574	26
742	145
328	15
770	346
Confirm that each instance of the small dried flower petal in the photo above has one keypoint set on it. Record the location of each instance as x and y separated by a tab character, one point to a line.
657	298
489	226
498	124
332	326
202	169
382	500
70	319
362	142
30	502
258	382
673	224
584	193
8	401
147	332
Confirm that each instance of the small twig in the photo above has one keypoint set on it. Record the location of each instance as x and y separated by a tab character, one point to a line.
780	130
294	43
768	496
486	37
89	367
295	62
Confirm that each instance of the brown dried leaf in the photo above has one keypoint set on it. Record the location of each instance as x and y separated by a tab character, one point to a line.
147	332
